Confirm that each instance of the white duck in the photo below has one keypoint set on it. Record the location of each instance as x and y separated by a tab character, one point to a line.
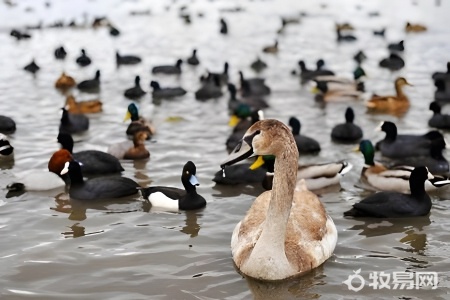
285	232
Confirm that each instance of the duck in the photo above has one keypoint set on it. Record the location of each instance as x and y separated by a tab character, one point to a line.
193	59
337	95
32	67
60	53
19	35
93	162
58	160
7	125
409	27
397	47
394	62
175	199
286	232
344	38
73	123
397	104
258	65
255	103
337	83
240	174
396	145
387	204
383	178
42	180
127	59
315	176
381	32
304	143
444	76
272	48
307	75
253	86
138	123
176	69
91	85
220	78
223	26
99	188
359	57
131	150
344	26
6	149
83	60
113	30
441	94
83	107
168	92
347	132
438	120
210	89
135	92
65	82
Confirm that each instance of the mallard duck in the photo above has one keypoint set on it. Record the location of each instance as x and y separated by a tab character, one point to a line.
255	103
83	60
167	69
60	53
138	123
397	104
6	149
258	65
347	132
73	123
380	177
127	59
193	59
223	26
409	27
32	67
136	91
344	26
132	150
394	204
65	82
399	47
342	95
167	92
336	83
394	62
396	145
272	48
174	199
83	107
304	143
7	125
438	120
286	232
90	85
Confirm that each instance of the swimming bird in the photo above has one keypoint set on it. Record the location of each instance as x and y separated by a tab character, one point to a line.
256	103
93	162
138	123
438	120
347	132
304	143
253	87
258	65
394	204
19	35
441	94
193	59
380	32
223	26
83	107
397	104
65	82
83	60
168	92
6	149
409	27
135	92
91	85
334	83
399	47
240	174
127	59
210	89
60	53
272	48
73	123
132	150
220	78
113	30
174	199
243	117
306	74
340	93
344	38
286	232
7	125
165	69
32	67
99	188
444	76
359	57
394	62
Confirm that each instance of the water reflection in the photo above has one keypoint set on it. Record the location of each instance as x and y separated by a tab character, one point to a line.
192	227
237	190
372	227
297	288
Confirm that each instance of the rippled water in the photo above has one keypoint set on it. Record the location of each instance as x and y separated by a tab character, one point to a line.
53	248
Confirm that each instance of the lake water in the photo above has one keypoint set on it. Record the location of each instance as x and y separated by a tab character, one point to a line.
53	248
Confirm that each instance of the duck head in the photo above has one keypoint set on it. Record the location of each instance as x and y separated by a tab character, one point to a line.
367	149
349	115
58	160
188	177
5	146
132	113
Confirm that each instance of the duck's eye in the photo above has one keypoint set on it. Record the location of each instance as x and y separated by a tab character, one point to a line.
187	172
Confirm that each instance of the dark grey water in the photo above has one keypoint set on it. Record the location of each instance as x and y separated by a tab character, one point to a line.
53	248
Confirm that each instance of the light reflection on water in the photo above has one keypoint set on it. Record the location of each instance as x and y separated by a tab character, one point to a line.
126	250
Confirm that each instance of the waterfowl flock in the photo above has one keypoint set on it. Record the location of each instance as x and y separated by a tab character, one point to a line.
286	149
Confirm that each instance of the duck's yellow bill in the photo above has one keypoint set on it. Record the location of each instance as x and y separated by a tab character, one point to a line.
234	120
356	149
258	163
127	116
315	90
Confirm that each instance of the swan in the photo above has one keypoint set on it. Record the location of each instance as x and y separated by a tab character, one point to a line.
286	232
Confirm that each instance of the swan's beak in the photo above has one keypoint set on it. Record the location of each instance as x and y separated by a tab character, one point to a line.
242	151
193	180
127	116
258	163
